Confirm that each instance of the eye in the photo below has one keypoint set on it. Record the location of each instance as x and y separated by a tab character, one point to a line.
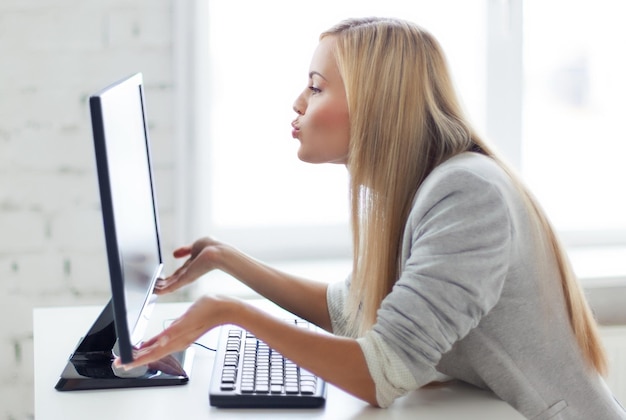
314	89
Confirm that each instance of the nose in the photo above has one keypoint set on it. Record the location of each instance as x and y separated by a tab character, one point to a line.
299	106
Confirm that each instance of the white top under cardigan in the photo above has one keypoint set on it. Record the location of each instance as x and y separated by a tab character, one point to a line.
478	301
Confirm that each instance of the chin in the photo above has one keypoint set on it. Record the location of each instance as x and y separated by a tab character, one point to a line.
305	157
316	158
305	160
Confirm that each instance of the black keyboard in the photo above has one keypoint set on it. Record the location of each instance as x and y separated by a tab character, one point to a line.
247	373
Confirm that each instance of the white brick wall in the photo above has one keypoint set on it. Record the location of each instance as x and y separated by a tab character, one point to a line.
53	54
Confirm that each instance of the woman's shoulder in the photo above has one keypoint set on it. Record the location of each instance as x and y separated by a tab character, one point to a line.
466	174
463	187
470	164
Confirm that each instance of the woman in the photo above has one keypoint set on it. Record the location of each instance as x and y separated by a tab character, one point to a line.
456	271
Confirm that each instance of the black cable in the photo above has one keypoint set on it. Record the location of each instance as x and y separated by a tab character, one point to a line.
204	346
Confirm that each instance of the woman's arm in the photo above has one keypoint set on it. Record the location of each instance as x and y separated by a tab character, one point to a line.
305	298
338	360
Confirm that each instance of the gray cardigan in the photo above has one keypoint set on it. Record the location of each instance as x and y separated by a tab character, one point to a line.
478	300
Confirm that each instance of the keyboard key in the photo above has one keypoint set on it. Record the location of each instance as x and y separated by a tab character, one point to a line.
307	389
262	388
292	389
247	389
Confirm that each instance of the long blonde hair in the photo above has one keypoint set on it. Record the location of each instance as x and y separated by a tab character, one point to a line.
405	120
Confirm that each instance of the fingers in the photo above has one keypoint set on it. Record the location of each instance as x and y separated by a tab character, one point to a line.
168	285
183	251
180	278
199	318
198	263
168	364
172	282
150	352
178	336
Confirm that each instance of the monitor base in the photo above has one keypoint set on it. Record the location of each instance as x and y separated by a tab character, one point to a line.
91	364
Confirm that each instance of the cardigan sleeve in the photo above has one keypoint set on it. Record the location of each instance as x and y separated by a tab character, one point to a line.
390	375
336	295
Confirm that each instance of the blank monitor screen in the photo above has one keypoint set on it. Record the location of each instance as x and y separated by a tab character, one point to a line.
128	205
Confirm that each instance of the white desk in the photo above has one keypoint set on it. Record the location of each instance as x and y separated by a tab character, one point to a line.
58	330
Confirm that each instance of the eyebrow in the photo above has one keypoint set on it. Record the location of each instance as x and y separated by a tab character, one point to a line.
316	73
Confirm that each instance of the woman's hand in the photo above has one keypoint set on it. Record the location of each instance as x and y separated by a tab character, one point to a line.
205	314
339	360
300	296
203	257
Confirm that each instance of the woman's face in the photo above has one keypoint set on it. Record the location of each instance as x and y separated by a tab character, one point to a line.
323	124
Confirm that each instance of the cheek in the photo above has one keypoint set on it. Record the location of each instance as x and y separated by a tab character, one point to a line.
331	122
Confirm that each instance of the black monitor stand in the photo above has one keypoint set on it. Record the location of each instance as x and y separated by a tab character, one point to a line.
91	364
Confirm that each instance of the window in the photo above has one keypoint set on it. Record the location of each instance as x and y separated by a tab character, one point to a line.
254	191
574	144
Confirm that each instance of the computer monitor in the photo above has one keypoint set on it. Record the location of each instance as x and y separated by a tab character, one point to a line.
129	211
132	234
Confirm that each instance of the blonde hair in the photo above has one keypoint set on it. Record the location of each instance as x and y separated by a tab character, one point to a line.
405	120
